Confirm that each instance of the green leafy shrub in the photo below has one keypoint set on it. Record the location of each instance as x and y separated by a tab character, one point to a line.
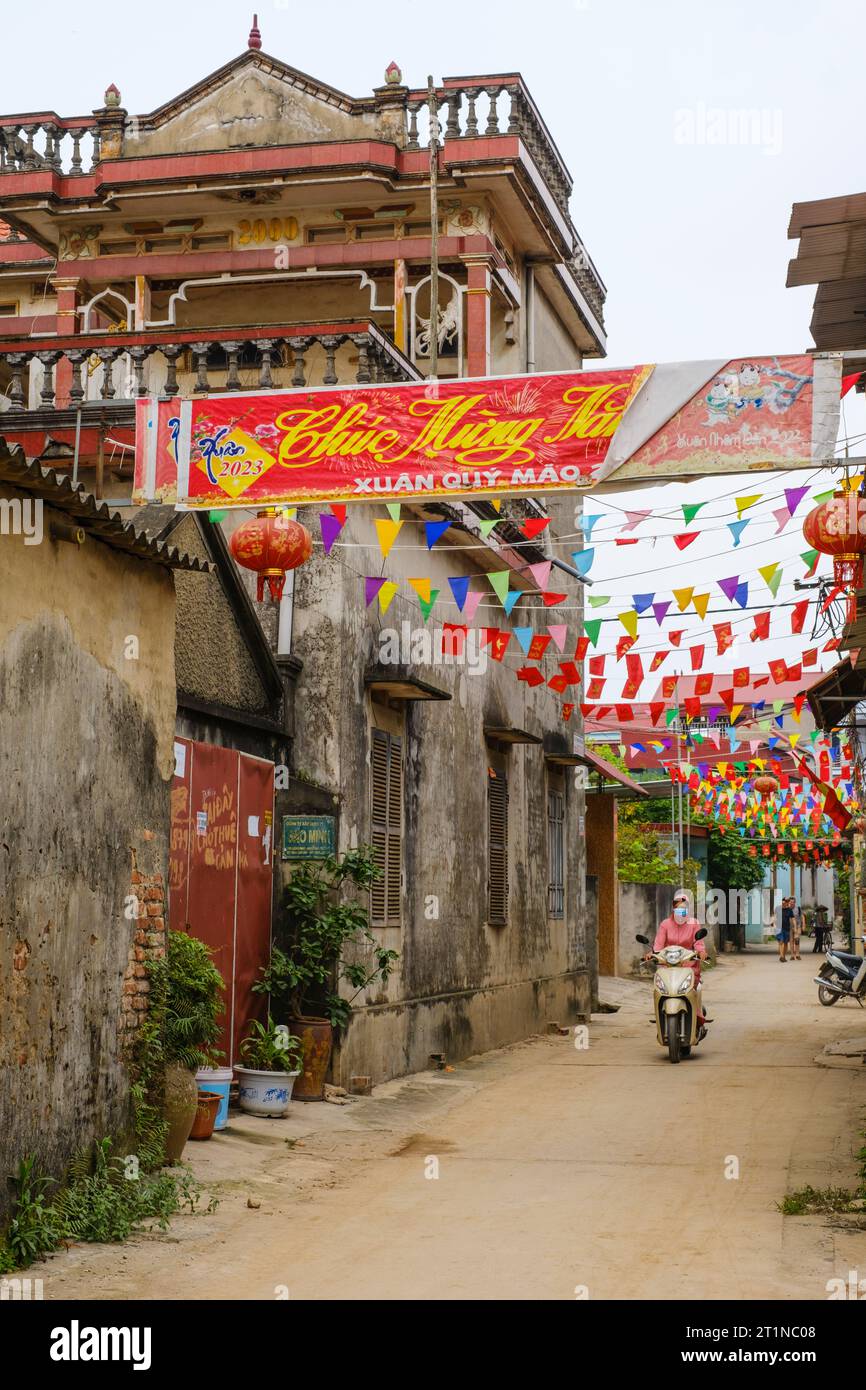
103	1200
35	1228
322	941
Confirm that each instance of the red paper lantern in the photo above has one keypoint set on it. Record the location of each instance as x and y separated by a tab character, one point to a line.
270	544
838	528
765	785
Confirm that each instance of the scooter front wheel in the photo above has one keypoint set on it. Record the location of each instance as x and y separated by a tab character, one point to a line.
673	1040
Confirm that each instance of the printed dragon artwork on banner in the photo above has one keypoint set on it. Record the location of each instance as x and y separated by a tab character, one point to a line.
538	433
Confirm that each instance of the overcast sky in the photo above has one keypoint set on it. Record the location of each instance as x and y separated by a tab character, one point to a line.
689	128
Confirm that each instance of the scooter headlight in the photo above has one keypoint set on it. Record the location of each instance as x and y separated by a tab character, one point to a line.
659	984
684	986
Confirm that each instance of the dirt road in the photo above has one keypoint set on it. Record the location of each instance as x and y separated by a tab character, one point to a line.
601	1171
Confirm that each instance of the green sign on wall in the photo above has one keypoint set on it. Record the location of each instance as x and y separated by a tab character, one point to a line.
308	837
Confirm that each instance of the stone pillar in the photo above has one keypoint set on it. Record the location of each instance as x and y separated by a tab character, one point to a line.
67	290
391	108
478	318
601	825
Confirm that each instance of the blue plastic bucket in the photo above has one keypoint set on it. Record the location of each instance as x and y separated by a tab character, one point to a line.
219	1080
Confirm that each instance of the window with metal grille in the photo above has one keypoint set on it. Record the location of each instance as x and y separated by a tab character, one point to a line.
556	853
497	847
387	827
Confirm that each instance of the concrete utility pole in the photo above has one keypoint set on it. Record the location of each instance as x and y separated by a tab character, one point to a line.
434	228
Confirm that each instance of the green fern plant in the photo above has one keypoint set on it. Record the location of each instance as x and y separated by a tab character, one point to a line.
192	988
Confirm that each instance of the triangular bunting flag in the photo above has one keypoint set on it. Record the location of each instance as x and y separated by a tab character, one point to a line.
743	503
690	510
540	573
459	588
422	588
387	532
433	530
582	560
331	528
426	605
660	611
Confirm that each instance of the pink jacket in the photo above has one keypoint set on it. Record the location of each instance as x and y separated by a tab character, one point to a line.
672	933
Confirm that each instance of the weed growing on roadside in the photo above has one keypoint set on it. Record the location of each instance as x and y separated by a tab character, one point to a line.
828	1199
99	1203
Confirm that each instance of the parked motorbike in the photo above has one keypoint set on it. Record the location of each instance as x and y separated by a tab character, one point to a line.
843	975
676	998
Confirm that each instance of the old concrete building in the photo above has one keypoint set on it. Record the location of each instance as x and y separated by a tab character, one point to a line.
87	717
264	230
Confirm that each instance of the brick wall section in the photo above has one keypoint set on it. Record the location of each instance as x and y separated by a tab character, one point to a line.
148	943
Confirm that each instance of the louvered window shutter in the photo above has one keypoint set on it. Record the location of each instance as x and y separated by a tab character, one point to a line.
387	827
556	855
497	842
395	830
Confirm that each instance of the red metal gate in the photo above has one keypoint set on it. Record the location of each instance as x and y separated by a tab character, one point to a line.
221	869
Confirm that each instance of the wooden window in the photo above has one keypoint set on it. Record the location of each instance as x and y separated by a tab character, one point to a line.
316	236
374	231
497	846
556	851
387	827
8	308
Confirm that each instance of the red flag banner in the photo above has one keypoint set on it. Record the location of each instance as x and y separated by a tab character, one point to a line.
369	443
798	615
484	437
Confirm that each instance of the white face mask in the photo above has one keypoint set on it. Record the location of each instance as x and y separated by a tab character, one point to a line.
681	913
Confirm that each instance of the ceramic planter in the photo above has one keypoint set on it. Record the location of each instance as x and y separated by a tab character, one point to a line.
205	1114
317	1036
265	1092
181	1103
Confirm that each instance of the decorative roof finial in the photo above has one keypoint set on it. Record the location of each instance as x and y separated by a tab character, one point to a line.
393	75
255	38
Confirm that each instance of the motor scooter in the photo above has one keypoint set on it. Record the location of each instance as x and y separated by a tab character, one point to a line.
677	998
843	975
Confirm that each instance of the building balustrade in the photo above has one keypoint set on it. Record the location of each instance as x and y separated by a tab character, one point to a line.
478	108
64	146
115	368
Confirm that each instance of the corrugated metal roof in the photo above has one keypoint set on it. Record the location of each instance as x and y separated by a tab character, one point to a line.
95	518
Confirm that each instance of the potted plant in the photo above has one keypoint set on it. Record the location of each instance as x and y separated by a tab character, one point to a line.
323	942
271	1065
186	1003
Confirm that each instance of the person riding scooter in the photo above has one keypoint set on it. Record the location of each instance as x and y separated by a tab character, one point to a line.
679	930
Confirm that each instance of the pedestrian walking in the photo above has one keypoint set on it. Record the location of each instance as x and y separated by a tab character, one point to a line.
783	935
796	929
820	929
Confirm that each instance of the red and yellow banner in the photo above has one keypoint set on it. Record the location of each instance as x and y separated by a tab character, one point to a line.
416	440
489	437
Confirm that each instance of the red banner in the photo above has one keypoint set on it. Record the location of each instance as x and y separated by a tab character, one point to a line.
418	439
487	437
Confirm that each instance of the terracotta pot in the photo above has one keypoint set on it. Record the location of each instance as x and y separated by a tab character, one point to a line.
317	1037
205	1115
181	1103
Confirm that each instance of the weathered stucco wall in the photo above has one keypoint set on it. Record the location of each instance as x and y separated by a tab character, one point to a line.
461	985
555	349
86	734
254	108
